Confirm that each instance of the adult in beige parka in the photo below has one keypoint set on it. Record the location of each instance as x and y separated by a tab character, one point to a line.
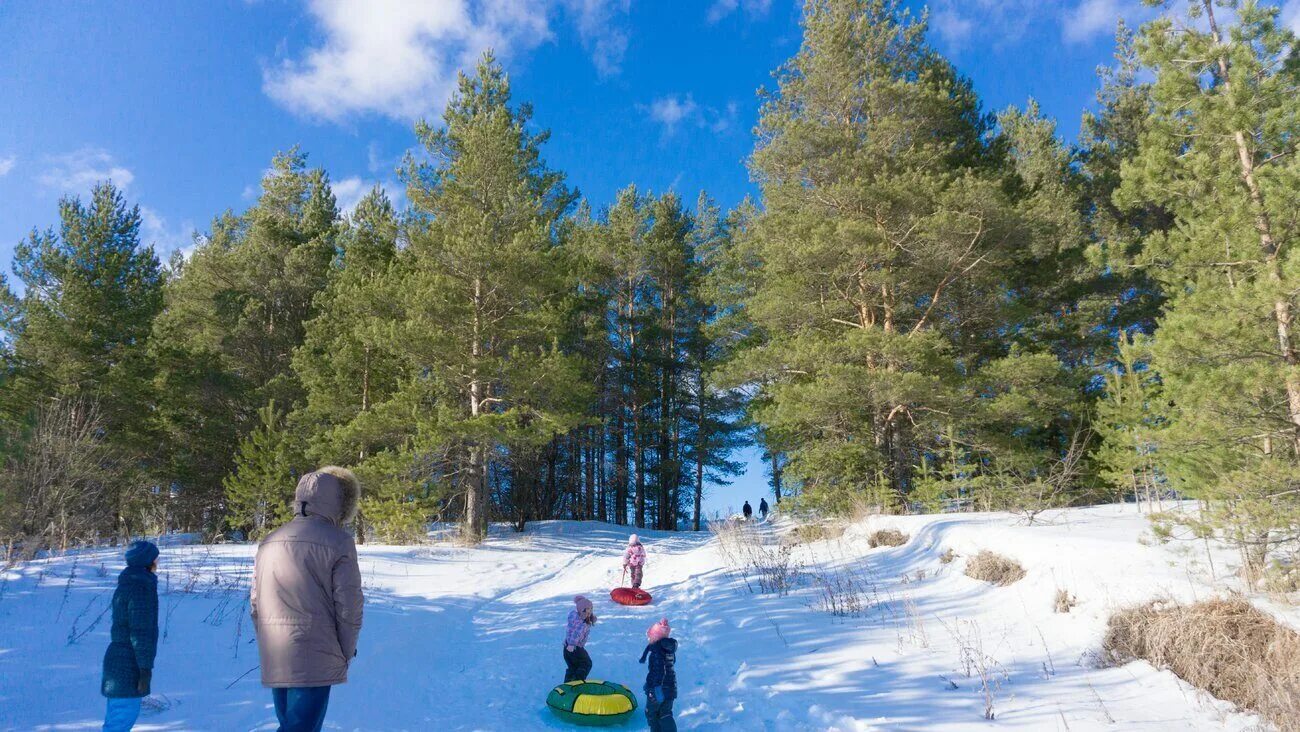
306	599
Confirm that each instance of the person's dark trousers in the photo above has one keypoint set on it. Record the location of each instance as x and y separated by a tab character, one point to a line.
579	664
637	573
302	709
660	715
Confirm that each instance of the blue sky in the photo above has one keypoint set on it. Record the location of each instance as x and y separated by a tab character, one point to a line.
183	104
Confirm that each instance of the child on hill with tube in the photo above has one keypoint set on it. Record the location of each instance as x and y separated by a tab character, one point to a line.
634	559
576	659
661	678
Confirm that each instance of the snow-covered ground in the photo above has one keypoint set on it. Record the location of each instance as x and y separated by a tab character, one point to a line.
462	638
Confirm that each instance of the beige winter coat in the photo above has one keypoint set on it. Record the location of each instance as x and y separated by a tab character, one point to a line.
306	597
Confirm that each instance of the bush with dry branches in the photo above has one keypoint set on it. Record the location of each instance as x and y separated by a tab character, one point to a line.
886	537
994	568
1227	647
59	478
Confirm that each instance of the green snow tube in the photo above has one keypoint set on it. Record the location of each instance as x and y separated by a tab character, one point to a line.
592	703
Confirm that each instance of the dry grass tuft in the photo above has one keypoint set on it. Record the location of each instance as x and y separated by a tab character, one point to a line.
948	556
1064	601
994	568
1229	648
763	569
886	537
1281	578
808	533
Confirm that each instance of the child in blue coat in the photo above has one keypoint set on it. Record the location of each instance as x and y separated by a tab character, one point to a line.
128	662
661	679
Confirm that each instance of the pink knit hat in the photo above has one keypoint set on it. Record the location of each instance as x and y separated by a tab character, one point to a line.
658	631
633	539
582	602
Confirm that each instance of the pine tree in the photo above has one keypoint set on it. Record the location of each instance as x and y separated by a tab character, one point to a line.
343	364
235	313
91	293
1108	139
483	286
884	236
1218	155
1129	420
259	491
714	430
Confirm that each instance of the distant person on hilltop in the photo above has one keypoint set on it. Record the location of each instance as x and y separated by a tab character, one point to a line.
576	659
748	511
634	559
306	599
762	508
128	662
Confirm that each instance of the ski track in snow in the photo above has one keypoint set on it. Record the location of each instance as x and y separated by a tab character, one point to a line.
459	638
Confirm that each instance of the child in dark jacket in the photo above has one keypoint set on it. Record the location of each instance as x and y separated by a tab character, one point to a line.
660	679
576	660
128	662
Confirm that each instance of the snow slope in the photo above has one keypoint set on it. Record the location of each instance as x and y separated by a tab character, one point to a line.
462	638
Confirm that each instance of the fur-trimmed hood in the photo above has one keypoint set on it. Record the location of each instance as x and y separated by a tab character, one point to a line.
331	492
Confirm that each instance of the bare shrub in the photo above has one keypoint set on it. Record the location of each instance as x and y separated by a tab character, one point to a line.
58	478
948	556
1227	647
1065	601
915	624
1030	494
808	533
994	568
846	593
152	705
976	663
764	569
1281	578
886	537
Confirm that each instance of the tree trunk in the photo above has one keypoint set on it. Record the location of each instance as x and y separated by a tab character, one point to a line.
476	522
589	455
699	492
776	475
620	472
1282	310
640	474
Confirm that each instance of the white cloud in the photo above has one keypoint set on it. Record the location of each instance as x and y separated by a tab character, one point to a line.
348	192
78	171
675	111
723	121
1290	16
995	22
671	111
1000	23
1093	18
155	232
597	27
952	27
399	58
722	8
7	164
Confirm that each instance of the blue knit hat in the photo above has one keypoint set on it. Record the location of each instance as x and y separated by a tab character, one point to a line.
141	553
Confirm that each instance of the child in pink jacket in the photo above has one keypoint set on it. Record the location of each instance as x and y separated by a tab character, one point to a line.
634	557
576	660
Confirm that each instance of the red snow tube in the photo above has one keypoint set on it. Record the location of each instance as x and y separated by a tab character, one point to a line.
630	596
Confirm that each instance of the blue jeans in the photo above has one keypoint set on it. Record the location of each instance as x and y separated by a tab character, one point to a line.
121	714
302	709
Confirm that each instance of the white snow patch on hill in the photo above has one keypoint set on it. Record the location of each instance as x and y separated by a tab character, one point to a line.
462	638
